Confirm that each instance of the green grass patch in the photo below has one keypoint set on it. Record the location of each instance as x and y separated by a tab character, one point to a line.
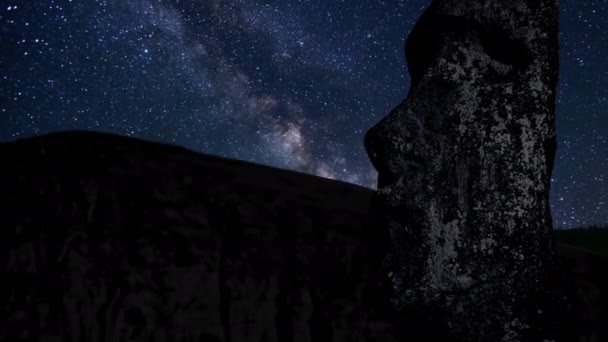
594	238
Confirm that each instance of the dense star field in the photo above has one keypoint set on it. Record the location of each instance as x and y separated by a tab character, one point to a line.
292	84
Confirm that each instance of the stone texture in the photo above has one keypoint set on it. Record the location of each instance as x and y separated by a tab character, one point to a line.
464	172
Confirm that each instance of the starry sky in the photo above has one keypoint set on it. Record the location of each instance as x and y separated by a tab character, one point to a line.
291	84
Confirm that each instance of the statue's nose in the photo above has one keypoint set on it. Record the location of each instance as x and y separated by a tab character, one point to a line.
374	146
381	143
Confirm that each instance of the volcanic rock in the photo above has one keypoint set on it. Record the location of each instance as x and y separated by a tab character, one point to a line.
464	173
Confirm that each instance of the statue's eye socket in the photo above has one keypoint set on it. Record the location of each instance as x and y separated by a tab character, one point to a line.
502	48
427	39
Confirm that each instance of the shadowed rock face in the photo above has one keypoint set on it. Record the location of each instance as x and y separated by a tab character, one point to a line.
464	170
106	238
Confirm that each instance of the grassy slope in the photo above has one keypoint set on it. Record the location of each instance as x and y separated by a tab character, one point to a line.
594	238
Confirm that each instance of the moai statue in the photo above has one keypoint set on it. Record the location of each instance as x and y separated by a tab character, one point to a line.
464	172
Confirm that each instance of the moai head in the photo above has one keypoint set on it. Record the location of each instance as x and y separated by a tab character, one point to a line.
465	161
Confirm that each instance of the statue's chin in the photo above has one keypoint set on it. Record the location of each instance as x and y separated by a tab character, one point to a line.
448	292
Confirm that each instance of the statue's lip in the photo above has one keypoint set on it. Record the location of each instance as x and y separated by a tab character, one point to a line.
413	158
408	167
386	179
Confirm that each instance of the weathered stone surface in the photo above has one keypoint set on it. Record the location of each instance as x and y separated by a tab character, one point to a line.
464	172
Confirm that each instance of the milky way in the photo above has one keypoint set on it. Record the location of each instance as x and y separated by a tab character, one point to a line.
291	84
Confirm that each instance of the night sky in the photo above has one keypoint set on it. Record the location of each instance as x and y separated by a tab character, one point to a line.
292	84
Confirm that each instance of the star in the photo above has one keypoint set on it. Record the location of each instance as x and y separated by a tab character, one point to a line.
291	84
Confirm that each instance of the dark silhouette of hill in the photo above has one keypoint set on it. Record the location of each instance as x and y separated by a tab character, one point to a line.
114	238
593	238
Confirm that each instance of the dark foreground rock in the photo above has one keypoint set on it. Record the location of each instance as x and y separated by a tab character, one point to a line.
105	238
464	173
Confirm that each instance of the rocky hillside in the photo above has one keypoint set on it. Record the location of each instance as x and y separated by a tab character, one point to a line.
107	238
